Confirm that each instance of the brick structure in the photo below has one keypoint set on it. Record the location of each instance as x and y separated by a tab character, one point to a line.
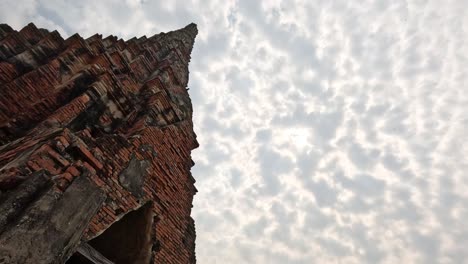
95	142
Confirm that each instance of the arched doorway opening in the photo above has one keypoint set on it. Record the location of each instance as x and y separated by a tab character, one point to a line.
128	241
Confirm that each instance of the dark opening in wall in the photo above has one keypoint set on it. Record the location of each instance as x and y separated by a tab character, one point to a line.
128	241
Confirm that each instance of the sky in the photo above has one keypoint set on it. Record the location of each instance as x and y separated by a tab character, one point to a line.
330	131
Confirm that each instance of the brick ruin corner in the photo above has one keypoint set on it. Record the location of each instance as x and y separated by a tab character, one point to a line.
95	148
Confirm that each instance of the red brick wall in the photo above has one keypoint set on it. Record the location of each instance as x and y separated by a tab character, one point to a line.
96	107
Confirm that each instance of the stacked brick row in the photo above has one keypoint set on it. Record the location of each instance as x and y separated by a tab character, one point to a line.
117	112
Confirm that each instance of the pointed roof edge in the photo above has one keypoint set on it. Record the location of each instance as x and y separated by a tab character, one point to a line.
191	29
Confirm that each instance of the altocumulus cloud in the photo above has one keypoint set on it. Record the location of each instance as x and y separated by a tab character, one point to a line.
330	131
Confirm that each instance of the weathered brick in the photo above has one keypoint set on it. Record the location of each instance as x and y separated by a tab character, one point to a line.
73	171
93	106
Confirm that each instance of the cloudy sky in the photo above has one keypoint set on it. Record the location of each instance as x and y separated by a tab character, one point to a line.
330	131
